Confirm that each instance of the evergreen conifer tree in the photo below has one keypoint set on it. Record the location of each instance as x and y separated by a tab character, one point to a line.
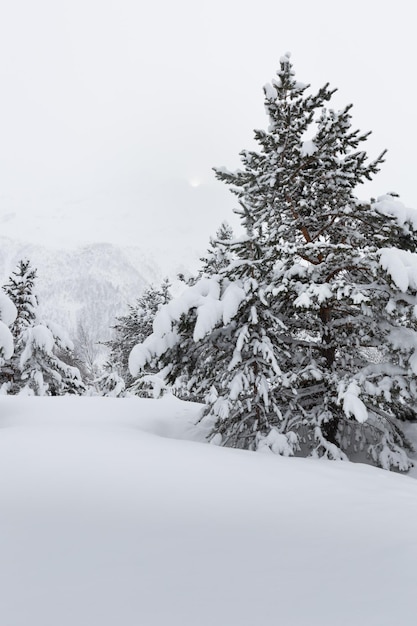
189	366
321	281
110	384
133	328
20	289
38	364
43	370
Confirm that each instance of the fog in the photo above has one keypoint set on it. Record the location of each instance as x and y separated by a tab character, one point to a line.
113	113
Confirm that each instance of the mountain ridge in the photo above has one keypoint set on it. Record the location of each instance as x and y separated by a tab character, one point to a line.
87	285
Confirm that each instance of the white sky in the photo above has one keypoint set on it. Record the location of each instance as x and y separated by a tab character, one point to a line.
111	108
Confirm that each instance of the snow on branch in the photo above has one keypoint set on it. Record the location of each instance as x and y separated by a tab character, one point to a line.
212	307
61	337
352	404
313	293
37	337
153	346
8	311
401	265
390	206
405	339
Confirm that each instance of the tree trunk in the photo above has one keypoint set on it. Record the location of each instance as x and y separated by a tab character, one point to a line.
328	349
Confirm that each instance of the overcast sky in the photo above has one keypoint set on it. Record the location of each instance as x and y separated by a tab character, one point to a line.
113	112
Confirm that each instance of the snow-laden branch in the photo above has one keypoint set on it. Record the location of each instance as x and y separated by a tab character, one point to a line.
390	206
352	404
213	305
401	265
8	311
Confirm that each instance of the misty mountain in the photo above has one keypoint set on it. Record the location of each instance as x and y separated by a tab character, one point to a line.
83	287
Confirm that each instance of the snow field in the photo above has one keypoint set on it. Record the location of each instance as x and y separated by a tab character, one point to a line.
112	511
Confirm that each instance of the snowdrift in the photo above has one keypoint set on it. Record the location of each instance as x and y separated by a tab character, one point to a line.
113	512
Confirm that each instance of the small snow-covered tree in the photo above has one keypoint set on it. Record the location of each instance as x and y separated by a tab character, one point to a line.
188	371
43	372
284	337
20	290
133	328
42	355
110	384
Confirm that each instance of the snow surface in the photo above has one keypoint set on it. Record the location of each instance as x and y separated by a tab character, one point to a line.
113	512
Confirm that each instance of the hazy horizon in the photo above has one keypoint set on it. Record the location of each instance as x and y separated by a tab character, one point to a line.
113	116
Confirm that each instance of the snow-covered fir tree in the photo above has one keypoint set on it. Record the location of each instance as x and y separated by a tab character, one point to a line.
188	366
43	369
20	289
110	384
131	329
42	355
284	336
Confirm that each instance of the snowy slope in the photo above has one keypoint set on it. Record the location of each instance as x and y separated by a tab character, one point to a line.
113	513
